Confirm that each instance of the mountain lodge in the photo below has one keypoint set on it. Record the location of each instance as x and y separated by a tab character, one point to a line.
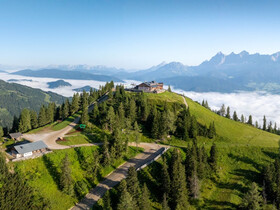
151	87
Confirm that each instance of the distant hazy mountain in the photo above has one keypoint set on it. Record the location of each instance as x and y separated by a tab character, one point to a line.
85	88
161	71
58	83
20	80
56	73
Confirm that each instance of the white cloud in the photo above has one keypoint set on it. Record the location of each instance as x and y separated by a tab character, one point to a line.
256	104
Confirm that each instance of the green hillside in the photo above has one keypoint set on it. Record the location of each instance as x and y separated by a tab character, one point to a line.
243	152
232	132
14	98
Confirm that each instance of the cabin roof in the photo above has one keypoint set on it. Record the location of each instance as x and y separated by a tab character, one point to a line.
29	147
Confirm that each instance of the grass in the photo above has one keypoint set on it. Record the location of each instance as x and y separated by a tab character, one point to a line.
165	96
233	133
43	174
55	126
66	122
92	134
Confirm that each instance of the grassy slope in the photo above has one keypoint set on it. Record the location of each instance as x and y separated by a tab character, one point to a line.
43	174
243	151
234	133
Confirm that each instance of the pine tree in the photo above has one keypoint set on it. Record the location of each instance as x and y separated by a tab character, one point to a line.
75	103
65	109
137	134
256	124
213	157
111	118
168	122
42	119
84	117
24	121
211	130
66	181
235	117
165	179
121	115
169	89
33	119
264	123
194	185
145	199
270	127
95	114
132	111
107	201
228	113
1	132
165	203
206	105
250	120
223	110
125	200
156	125
133	185
252	200
194	128
179	185
242	118
106	153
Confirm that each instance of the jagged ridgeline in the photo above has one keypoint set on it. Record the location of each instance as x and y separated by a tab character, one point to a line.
15	97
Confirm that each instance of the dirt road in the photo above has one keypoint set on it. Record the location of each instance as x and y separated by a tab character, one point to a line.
49	137
151	152
185	102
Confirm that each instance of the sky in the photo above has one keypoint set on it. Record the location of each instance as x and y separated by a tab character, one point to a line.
134	34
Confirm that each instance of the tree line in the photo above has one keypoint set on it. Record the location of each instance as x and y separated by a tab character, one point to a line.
133	112
226	112
178	182
30	119
15	193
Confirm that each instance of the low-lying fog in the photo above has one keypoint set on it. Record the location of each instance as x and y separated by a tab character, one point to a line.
256	104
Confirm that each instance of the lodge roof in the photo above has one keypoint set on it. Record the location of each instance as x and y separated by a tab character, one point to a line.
30	147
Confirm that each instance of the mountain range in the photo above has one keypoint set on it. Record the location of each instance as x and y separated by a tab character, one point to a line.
221	73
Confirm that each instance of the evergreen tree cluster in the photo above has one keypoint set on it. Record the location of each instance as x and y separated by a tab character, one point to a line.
15	193
133	112
225	112
178	182
271	183
30	119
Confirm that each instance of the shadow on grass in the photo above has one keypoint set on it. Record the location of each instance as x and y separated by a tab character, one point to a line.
52	169
250	175
231	186
213	204
246	160
272	155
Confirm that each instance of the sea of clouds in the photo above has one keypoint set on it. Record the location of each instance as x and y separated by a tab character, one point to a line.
256	104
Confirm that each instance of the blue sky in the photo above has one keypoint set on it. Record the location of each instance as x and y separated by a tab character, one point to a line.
134	34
